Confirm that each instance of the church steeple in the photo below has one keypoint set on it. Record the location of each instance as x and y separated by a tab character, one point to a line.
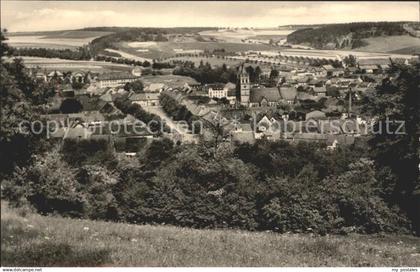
244	85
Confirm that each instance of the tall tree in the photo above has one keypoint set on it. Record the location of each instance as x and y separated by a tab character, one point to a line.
17	142
350	61
396	142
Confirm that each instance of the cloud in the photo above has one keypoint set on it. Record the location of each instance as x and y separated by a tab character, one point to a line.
52	19
52	15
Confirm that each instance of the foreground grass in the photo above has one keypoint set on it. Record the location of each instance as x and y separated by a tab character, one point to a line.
32	240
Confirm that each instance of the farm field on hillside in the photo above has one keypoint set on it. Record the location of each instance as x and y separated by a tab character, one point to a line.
342	53
128	55
213	61
392	44
169	49
170	80
32	240
55	39
74	65
43	45
236	35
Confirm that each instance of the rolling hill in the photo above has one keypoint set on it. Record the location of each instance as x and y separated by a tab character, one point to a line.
28	239
352	36
399	44
63	39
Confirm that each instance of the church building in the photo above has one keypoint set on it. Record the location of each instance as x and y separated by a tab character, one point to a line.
244	85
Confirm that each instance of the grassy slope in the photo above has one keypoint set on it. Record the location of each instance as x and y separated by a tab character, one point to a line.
70	34
64	39
33	240
50	64
212	61
397	44
166	49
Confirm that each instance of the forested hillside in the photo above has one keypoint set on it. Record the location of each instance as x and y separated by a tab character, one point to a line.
339	36
132	34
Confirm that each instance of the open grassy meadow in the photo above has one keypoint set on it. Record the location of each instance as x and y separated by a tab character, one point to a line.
65	39
28	239
403	44
170	49
213	61
51	64
236	35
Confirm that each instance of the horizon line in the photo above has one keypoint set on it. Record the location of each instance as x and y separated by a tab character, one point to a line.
217	27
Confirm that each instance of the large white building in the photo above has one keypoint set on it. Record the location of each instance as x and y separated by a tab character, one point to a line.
217	91
115	80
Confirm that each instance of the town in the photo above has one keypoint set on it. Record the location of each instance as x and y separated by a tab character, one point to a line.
266	94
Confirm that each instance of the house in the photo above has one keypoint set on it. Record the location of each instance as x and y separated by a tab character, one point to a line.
333	72
155	88
242	133
68	92
288	94
318	71
107	97
145	99
328	69
91	103
305	96
302	81
315	83
78	77
78	132
320	91
189	87
309	137
93	89
55	74
266	71
231	96
264	124
217	90
264	97
351	71
41	76
370	69
115	79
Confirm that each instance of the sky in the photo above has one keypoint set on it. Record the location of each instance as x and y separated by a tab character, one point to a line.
60	15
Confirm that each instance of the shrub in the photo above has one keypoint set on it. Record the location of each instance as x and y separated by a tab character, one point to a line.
348	202
79	152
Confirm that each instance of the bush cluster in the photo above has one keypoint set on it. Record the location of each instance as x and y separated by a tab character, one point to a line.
265	186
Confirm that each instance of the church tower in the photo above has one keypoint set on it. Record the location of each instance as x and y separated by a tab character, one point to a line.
244	86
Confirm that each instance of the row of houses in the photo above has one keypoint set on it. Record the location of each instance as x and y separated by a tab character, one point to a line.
330	132
101	80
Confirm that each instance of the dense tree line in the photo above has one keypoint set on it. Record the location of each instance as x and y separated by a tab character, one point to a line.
81	53
205	73
348	35
121	60
266	186
162	65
